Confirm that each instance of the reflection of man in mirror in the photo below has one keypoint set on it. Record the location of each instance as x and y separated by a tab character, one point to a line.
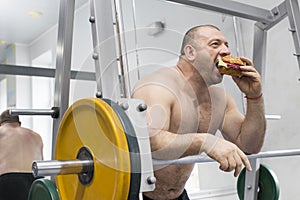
186	108
19	147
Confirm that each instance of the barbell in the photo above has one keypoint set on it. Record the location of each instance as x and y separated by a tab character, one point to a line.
97	153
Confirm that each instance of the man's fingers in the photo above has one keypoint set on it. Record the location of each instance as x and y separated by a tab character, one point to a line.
245	161
237	170
247	60
223	164
231	163
239	165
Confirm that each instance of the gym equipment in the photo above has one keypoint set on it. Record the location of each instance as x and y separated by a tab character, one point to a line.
43	189
54	112
97	153
268	188
204	158
94	125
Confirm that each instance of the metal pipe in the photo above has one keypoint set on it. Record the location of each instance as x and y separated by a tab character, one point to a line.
232	8
273	117
293	16
53	112
43	72
56	167
30	112
204	158
96	49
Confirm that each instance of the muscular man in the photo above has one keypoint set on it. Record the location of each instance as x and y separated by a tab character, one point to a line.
18	146
186	108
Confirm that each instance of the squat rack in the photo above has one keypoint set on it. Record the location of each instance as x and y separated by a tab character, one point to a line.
106	22
265	20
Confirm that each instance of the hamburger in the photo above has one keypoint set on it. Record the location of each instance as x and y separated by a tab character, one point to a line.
230	65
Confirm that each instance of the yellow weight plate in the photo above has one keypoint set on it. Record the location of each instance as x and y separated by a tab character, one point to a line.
93	124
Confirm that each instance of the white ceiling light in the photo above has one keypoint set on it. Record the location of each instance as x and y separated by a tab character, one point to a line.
35	14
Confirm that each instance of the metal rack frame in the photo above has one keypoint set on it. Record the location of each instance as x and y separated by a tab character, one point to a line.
105	22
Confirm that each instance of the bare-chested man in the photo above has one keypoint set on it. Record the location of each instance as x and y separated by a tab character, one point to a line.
18	146
186	108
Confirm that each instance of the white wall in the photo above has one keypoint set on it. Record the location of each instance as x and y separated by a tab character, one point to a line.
282	94
23	84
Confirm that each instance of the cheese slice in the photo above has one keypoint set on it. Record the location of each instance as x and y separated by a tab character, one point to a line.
221	63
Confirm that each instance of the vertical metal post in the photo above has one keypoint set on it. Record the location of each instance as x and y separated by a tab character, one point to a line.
63	62
107	48
260	49
123	60
95	49
259	60
294	16
251	180
238	36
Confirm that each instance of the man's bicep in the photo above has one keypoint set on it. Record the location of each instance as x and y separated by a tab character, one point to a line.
233	120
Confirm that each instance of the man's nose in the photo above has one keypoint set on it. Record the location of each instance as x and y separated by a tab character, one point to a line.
224	51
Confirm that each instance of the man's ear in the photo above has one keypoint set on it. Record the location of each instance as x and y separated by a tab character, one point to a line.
190	52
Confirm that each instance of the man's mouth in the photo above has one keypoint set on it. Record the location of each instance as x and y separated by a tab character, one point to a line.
217	61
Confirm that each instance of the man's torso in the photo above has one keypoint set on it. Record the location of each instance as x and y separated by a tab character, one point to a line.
18	147
190	114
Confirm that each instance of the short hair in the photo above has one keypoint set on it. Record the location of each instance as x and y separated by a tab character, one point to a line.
6	117
190	36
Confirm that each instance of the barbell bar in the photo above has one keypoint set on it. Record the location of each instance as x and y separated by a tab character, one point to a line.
203	158
55	167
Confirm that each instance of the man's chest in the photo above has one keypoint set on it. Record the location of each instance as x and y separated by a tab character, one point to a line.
194	117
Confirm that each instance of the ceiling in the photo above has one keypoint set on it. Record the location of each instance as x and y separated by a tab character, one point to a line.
17	26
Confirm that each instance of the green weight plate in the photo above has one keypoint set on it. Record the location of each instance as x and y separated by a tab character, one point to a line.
268	188
43	189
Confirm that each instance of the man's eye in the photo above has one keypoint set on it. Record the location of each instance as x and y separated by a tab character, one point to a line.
215	44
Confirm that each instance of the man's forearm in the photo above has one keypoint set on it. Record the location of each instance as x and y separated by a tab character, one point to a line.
254	126
167	145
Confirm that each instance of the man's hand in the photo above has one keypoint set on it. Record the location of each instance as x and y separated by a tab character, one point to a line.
226	153
250	83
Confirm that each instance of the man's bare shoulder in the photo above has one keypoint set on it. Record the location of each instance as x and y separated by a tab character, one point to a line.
165	77
30	133
19	132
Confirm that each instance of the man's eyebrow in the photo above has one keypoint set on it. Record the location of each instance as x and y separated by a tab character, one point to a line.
219	40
